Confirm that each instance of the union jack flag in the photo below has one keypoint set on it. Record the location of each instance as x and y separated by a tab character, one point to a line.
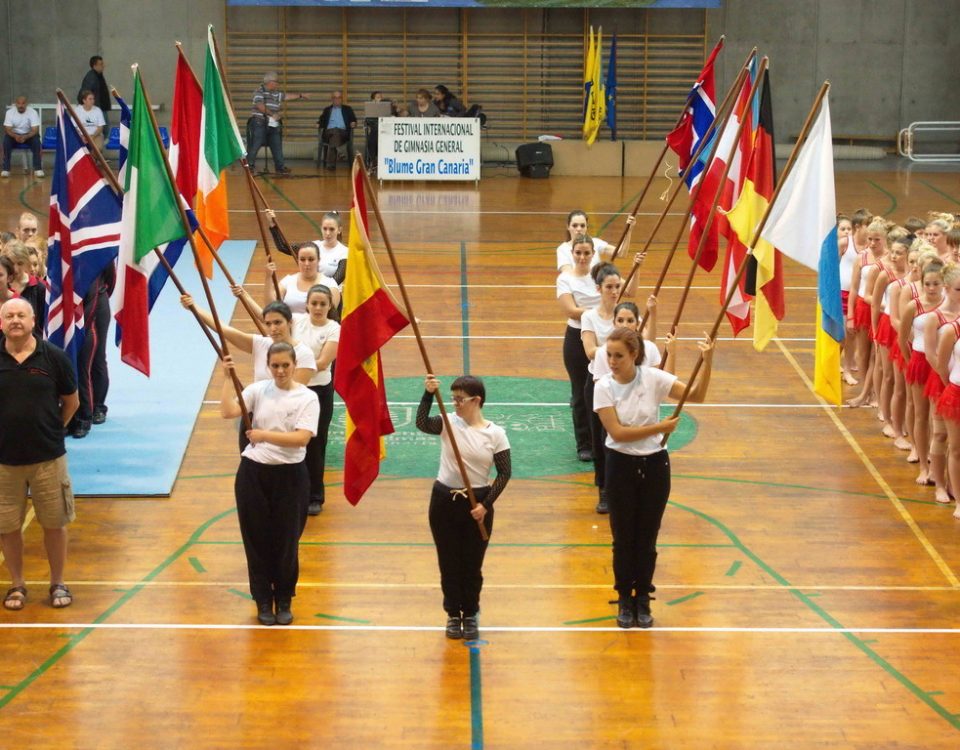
84	235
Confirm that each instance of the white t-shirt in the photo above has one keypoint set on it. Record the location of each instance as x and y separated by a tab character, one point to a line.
478	445
278	410
21	123
297	300
315	337
601	366
847	260
565	252
637	404
330	257
91	120
584	291
261	345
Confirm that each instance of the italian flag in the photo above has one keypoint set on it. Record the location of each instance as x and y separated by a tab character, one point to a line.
220	146
151	217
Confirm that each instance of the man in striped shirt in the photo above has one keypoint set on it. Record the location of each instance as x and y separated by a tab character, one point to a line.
265	126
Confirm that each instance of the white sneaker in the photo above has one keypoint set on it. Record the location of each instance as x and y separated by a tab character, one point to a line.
39	173
4	173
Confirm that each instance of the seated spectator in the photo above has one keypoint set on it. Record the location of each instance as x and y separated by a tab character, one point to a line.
25	284
336	124
21	126
422	106
451	106
92	117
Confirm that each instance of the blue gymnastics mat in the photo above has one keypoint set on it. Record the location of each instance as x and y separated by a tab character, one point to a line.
139	449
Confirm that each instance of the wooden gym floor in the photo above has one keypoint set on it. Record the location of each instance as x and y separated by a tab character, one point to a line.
808	589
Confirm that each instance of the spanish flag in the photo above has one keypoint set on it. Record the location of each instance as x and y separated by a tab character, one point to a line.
371	317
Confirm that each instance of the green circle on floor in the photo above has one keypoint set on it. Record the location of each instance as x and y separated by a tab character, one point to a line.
534	412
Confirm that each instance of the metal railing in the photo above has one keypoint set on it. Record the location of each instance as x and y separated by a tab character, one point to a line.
907	141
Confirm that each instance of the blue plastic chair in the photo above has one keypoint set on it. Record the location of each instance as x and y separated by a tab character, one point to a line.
165	137
49	139
113	142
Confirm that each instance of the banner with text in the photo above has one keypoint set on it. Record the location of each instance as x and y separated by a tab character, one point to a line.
428	148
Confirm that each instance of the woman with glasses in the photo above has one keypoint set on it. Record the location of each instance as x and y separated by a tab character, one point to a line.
454	525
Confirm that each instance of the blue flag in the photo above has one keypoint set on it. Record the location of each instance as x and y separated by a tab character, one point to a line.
612	89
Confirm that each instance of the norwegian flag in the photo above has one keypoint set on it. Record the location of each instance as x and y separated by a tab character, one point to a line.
84	235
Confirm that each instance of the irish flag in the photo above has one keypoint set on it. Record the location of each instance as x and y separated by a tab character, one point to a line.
220	146
151	217
371	317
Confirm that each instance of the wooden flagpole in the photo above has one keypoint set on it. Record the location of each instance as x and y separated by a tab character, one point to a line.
721	115
371	198
756	237
251	183
107	173
656	166
237	387
705	233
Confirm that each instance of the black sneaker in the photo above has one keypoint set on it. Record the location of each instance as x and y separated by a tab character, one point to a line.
314	508
471	628
625	614
454	631
585	454
265	614
99	415
81	429
644	618
284	615
602	506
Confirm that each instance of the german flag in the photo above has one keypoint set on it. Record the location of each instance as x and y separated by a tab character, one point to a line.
765	265
371	317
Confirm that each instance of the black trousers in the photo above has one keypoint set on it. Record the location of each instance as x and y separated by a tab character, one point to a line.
575	361
317	447
637	488
598	435
272	509
460	549
92	376
259	134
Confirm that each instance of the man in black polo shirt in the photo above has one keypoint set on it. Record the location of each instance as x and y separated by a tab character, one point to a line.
38	395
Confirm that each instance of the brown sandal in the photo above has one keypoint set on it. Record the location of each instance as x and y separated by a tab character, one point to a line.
15	598
60	596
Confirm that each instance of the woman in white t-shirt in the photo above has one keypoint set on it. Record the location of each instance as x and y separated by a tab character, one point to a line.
278	321
315	329
638	466
294	287
273	486
595	325
577	292
333	253
92	117
577	225
460	548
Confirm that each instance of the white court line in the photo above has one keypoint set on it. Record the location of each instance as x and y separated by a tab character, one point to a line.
456	213
509	586
745	340
551	404
483	628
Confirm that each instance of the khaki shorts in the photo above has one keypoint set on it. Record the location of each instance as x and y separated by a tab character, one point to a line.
50	491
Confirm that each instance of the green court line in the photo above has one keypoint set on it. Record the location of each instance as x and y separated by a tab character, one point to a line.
935	189
852	638
683	599
859	643
356	620
241	594
734	568
891	196
23	199
618	214
294	206
814	593
107	613
197	565
591	619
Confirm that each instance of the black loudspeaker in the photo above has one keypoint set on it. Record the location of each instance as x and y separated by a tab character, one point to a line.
535	159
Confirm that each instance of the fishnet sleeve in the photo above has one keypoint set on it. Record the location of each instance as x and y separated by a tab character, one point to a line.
501	461
426	423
